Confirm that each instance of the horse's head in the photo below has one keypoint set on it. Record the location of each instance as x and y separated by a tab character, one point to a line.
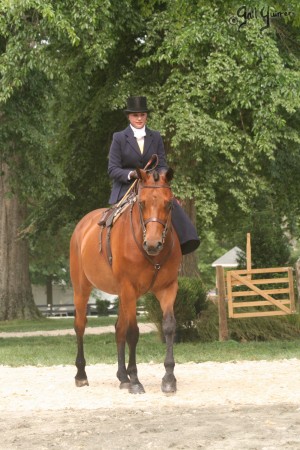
155	200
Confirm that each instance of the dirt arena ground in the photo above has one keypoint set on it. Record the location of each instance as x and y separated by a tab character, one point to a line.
218	406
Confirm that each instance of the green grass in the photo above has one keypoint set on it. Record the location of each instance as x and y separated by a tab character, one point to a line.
47	324
48	351
236	351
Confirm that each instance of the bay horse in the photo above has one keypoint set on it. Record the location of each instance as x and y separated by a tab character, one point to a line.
146	256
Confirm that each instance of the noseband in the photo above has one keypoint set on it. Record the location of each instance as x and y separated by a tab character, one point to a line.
155	219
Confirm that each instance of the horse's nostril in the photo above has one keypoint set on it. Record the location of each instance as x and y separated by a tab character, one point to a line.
152	249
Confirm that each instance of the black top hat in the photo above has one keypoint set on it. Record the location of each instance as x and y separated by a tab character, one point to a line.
136	104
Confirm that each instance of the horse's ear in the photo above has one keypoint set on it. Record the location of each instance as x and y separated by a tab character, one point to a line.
142	174
169	174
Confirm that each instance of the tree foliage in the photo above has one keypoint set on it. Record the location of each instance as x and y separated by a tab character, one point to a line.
226	99
230	102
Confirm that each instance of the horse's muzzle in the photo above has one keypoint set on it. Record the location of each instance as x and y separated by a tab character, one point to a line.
152	249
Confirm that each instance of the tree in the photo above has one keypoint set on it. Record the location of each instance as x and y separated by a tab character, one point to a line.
20	128
40	42
16	299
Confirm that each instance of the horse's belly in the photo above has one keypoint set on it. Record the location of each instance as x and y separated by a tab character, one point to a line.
96	267
100	276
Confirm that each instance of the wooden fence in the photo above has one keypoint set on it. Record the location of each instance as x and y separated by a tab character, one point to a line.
260	292
254	292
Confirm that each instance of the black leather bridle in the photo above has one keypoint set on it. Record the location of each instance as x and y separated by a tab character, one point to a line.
143	223
156	219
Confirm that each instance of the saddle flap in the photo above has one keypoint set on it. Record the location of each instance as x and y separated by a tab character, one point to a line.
110	215
107	217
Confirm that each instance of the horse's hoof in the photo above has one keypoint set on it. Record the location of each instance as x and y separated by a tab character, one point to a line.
125	385
169	388
80	383
136	389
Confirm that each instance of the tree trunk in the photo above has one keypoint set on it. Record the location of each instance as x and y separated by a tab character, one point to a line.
189	267
16	299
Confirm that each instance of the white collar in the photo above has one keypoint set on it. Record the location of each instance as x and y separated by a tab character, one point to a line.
139	133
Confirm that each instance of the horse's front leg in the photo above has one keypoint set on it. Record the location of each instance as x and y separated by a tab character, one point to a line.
168	384
132	338
128	331
121	342
167	299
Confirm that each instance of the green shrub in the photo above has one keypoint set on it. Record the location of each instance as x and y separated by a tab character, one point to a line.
102	307
249	329
207	324
189	304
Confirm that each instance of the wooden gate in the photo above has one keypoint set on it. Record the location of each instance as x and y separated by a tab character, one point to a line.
260	292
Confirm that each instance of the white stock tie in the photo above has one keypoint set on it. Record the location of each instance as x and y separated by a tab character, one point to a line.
139	134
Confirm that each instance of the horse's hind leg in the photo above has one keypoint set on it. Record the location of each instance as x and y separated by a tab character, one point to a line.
79	326
167	299
82	289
